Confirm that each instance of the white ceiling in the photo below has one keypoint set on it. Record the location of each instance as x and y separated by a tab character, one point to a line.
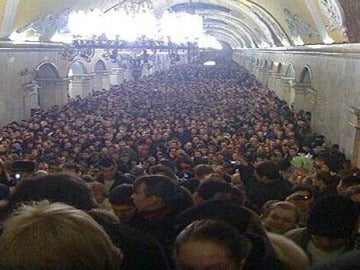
240	23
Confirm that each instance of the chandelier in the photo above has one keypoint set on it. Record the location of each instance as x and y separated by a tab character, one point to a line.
134	6
152	37
120	50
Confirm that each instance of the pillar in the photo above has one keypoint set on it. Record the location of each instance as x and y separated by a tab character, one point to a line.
80	85
30	98
356	148
305	97
273	75
101	80
53	92
284	90
117	76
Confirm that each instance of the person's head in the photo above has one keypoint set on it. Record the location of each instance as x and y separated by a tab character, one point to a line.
121	201
210	244
323	179
152	192
43	166
214	190
302	196
107	168
62	187
332	222
353	192
267	171
71	168
52	236
202	170
280	217
163	170
346	182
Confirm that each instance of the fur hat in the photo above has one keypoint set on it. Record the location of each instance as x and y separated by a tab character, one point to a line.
333	216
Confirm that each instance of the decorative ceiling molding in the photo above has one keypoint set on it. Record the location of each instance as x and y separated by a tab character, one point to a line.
236	35
275	24
235	43
298	28
236	26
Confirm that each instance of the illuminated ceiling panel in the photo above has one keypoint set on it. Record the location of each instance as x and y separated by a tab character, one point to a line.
256	23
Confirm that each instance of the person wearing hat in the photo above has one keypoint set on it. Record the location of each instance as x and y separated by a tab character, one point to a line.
330	229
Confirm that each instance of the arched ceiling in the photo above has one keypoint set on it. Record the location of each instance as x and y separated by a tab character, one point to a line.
239	23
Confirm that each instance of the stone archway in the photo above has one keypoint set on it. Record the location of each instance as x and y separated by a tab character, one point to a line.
80	82
52	90
305	95
284	88
101	78
310	93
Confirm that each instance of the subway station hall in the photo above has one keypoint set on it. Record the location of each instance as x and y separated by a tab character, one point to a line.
179	134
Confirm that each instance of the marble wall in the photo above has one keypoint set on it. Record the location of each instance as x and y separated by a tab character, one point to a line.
35	76
325	81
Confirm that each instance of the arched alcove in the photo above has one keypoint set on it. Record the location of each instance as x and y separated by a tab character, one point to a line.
280	68
46	77
271	65
77	75
290	72
101	78
46	71
305	76
100	66
77	68
307	95
265	64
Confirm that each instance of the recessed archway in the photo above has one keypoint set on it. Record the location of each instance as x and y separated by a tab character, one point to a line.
77	72
46	77
100	66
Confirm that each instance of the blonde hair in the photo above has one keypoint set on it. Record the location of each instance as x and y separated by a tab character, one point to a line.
47	235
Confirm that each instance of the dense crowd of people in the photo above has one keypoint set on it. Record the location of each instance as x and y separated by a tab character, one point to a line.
196	167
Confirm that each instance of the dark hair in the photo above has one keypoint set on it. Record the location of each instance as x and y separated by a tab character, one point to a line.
207	190
4	192
333	216
149	253
267	169
328	178
203	169
301	187
158	185
72	166
106	162
217	231
163	170
62	187
121	195
351	180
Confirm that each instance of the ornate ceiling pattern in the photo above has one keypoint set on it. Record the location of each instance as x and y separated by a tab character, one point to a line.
239	23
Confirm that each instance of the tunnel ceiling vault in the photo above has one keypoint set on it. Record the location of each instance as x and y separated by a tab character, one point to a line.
240	23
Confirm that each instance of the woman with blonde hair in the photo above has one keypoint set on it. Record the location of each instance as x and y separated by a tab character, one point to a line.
42	235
